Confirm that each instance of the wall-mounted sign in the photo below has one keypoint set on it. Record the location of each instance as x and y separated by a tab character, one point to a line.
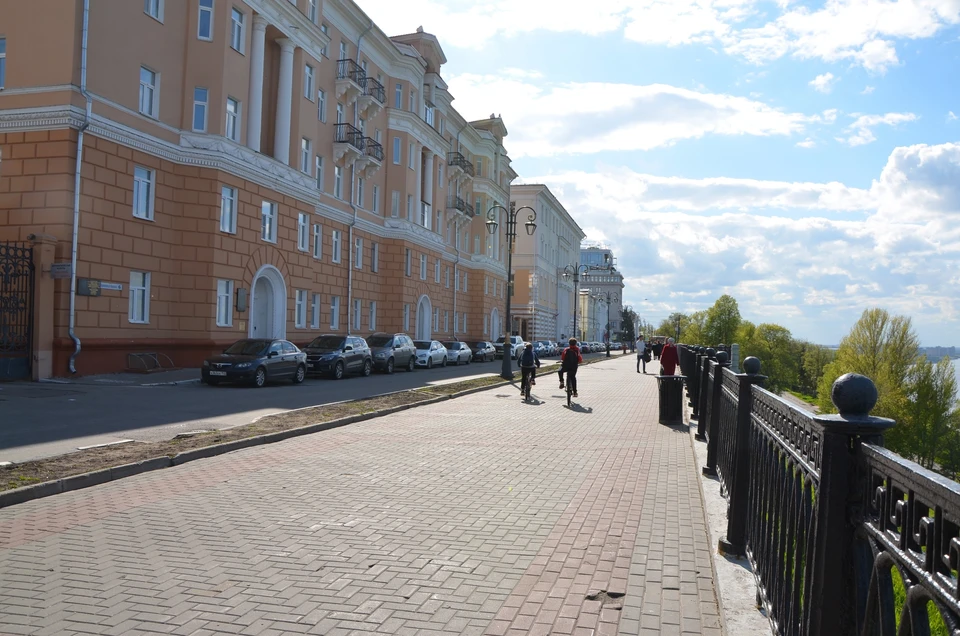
60	270
88	287
111	286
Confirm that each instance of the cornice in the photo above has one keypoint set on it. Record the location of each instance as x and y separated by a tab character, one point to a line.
411	124
47	117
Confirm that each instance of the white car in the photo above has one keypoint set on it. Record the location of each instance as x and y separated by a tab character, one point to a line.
430	353
458	352
516	346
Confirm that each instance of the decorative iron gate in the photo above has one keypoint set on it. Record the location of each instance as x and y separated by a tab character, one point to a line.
16	310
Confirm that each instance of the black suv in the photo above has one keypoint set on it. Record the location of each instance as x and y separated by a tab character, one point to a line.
392	351
338	355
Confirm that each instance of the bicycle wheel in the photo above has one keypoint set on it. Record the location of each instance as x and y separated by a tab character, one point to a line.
569	394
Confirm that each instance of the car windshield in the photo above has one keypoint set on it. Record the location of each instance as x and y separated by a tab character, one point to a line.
477	345
451	345
423	345
500	340
379	341
247	347
326	342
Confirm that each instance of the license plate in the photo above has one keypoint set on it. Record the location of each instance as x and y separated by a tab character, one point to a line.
218	373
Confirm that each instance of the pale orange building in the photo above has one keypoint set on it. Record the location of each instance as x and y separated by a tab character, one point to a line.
249	168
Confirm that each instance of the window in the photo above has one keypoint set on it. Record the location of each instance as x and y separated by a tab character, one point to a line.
300	310
317	241
334	312
224	303
326	31
236	30
446	320
486	285
339	113
373	315
268	222
143	183
464	322
428	114
200	109
205	21
308	75
358	253
360	192
320	173
335	256
376	198
139	297
312	12
447	275
398	96
486	324
465	282
479	166
322	105
410	155
3	61
423	267
440	174
154	9
413	101
306	151
410	207
375	258
315	311
406	317
338	182
233	119
395	204
456	280
396	150
343	50
436	319
456	320
436	271
407	256
148	92
356	313
476	244
303	232
228	210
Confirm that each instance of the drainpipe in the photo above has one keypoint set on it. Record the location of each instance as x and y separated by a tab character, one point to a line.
353	205
456	274
76	188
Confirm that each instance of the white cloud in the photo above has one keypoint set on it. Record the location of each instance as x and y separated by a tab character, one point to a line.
861	130
824	83
867	90
806	143
951	116
548	119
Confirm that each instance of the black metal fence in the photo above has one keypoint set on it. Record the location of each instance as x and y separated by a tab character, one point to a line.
16	310
845	537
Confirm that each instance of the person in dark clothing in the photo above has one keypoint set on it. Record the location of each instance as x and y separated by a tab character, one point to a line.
569	363
657	349
529	363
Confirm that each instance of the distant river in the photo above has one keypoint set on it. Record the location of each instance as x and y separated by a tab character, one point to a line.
956	367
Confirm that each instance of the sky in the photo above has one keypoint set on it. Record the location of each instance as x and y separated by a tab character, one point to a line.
803	157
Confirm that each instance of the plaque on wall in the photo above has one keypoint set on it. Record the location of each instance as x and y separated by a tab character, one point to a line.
88	287
60	270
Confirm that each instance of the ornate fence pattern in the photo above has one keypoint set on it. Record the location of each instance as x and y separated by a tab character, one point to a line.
16	310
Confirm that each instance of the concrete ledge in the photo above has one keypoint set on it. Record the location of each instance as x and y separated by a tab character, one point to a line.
128	470
28	493
85	480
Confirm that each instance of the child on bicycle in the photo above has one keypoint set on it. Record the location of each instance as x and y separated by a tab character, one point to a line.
529	362
569	363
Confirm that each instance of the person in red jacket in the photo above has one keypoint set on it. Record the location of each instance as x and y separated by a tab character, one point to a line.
669	358
570	361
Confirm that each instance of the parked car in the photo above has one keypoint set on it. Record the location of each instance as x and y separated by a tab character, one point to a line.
458	352
392	351
515	349
256	360
483	351
337	356
430	353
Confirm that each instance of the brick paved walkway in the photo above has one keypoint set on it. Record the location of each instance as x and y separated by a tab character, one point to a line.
480	515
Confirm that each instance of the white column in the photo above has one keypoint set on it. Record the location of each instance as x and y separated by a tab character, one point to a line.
418	171
281	138
255	103
428	178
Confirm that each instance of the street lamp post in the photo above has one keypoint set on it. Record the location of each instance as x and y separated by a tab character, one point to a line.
614	298
506	371
575	270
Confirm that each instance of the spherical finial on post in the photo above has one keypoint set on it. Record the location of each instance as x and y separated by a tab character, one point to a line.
722	357
854	394
711	353
751	365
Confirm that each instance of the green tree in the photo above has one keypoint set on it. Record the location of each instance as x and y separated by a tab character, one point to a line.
692	328
774	346
723	320
931	391
628	318
814	359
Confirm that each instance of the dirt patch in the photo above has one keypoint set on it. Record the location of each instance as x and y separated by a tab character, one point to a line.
53	468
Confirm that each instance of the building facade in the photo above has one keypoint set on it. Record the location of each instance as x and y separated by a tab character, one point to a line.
543	303
254	168
604	281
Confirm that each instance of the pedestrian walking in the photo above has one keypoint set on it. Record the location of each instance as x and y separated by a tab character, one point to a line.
669	358
657	349
641	354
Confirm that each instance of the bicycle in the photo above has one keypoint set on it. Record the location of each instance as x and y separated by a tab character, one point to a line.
525	383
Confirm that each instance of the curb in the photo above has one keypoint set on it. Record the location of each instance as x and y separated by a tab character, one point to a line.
96	478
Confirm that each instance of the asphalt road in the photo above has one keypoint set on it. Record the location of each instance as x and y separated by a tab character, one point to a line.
44	420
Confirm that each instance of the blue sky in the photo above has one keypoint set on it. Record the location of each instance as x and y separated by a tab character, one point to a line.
803	157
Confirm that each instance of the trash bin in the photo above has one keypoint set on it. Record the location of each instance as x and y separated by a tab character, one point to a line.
671	398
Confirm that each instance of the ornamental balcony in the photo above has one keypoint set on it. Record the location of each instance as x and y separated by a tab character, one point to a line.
459	206
372	157
459	165
372	99
350	81
348	143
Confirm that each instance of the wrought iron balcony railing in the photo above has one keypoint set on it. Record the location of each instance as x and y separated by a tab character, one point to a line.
350	134
457	159
374	149
374	89
348	69
456	203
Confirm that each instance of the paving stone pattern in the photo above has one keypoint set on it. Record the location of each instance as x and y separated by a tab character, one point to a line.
480	515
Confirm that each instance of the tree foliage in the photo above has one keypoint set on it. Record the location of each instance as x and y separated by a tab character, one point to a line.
723	321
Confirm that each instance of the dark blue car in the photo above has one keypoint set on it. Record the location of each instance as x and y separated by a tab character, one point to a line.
256	361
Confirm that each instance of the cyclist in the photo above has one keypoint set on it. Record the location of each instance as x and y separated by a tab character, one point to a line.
529	363
569	363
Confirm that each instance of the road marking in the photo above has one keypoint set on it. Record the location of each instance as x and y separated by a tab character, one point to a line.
122	441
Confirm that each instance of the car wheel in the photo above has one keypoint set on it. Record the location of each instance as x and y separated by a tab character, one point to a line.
445	361
411	364
260	378
389	366
430	362
338	371
300	375
367	369
470	359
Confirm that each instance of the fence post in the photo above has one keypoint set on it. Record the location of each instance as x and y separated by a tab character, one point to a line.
695	379
830	582
713	438
701	408
734	542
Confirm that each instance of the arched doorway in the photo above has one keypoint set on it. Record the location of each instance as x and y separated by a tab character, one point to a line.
424	329
268	304
495	330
